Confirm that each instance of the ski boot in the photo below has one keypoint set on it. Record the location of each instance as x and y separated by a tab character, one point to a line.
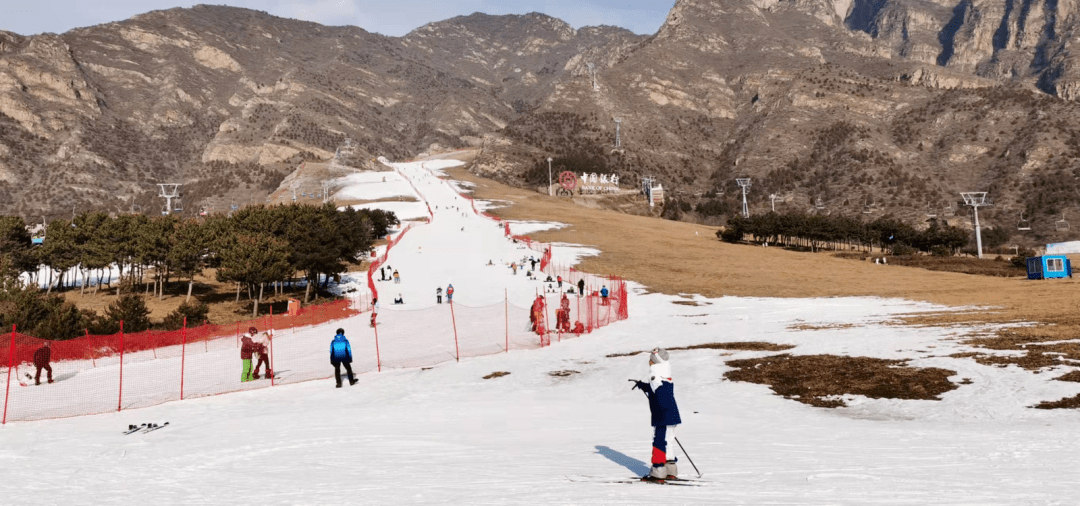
353	382
672	469
658	473
269	375
255	376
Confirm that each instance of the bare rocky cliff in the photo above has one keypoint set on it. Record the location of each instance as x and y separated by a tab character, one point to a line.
864	107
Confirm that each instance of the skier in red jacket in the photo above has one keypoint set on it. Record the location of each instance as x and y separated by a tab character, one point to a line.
247	347
41	361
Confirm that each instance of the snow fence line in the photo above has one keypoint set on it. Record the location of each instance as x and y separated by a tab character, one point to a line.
97	374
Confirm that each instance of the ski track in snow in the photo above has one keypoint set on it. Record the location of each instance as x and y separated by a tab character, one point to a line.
446	436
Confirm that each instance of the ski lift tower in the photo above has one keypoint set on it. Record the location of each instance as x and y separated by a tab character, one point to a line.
169	191
618	138
647	188
772	197
744	183
326	191
976	199
592	74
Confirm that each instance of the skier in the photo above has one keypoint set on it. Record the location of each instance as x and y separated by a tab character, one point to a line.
603	295
41	361
262	349
665	415
450	294
513	267
559	279
533	262
341	354
397	278
247	347
581	287
438	295
382	273
374	310
399	300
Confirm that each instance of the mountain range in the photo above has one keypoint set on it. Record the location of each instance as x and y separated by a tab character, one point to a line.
859	107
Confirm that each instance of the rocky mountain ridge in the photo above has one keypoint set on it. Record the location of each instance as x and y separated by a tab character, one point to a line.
850	106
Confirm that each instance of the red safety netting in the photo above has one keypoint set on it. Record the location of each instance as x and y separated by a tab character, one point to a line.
96	374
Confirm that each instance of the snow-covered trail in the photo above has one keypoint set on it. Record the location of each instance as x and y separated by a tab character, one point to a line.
444	435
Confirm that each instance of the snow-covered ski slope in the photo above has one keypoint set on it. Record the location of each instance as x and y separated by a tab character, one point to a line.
445	435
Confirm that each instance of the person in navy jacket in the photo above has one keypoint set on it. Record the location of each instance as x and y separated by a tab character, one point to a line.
341	354
665	415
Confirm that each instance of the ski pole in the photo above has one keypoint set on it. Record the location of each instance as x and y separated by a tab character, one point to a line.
688	457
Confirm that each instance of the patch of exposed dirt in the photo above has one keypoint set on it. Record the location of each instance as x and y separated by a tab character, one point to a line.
563	374
1066	403
1072	376
1042	346
813	379
691	303
496	374
740	346
829	326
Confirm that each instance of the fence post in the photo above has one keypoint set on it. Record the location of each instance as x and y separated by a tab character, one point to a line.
120	400
378	358
270	363
453	320
237	334
506	311
11	365
547	319
183	357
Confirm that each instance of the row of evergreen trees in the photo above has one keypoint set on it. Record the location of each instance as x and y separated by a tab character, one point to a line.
255	247
818	231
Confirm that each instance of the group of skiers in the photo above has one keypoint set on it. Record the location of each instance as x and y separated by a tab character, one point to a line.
255	345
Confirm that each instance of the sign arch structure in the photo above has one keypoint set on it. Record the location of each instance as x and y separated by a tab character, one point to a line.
568	182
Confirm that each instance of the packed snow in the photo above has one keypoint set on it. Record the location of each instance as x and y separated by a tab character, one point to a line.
445	435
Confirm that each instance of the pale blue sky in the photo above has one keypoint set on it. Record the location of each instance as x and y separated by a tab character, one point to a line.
388	17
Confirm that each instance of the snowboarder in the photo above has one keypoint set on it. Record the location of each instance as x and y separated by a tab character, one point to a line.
374	310
41	361
559	280
399	300
397	278
382	273
665	415
341	355
263	351
438	295
581	286
247	348
450	294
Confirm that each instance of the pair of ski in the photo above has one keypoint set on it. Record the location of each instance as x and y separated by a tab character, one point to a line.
144	428
688	482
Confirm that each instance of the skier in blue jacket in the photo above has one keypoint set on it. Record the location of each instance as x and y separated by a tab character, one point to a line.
665	415
341	354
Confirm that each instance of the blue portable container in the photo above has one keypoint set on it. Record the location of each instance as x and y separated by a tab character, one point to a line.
1049	266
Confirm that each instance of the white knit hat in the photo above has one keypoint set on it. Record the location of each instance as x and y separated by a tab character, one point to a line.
658	355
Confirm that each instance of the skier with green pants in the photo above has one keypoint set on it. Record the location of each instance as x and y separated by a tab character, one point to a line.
247	348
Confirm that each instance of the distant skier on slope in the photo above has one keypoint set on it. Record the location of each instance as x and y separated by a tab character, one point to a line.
665	415
247	348
450	293
41	361
438	295
341	354
262	344
581	287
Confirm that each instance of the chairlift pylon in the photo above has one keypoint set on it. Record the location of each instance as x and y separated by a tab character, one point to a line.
1023	224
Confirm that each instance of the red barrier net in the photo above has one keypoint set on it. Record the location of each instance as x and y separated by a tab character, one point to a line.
96	374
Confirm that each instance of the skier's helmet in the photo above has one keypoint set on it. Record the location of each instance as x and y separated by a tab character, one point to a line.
658	355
